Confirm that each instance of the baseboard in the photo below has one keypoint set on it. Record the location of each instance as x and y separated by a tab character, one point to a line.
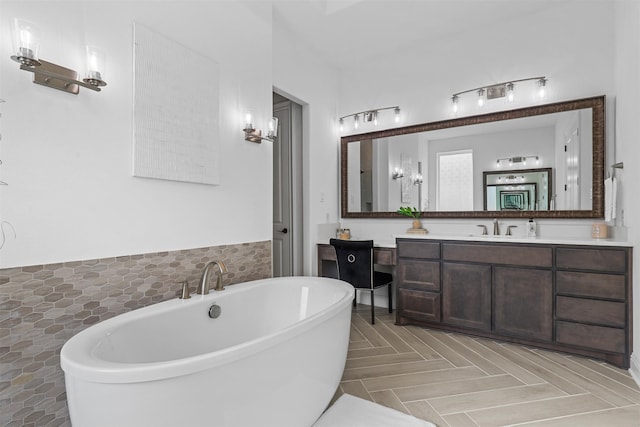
634	370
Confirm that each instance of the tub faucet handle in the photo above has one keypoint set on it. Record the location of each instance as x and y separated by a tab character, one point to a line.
185	290
509	227
484	229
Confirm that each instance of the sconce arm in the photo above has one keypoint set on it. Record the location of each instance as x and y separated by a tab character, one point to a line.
45	73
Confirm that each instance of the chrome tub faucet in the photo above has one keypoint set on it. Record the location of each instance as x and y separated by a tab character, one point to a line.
203	285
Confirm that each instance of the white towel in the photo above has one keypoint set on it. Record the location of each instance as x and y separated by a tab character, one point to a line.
614	197
351	411
608	198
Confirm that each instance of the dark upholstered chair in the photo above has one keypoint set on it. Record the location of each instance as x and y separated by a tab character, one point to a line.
355	265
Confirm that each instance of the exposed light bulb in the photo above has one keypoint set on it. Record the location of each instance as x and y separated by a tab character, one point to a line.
26	42
542	88
273	128
248	120
96	62
481	98
396	112
356	121
455	101
510	94
341	125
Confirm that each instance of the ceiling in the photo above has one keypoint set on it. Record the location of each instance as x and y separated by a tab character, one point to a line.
347	32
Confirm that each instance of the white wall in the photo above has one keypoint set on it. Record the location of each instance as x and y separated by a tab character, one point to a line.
67	158
303	77
627	66
572	46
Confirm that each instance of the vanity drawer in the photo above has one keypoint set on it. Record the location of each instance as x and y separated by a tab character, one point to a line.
595	285
384	256
589	336
530	256
595	259
419	305
420	275
418	249
607	313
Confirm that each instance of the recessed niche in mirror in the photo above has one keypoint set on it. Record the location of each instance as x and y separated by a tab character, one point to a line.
441	167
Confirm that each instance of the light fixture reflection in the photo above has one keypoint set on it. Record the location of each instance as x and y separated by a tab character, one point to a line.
481	98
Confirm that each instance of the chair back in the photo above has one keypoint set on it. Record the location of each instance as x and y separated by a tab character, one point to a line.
355	261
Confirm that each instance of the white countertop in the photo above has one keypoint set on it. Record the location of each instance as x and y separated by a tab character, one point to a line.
512	239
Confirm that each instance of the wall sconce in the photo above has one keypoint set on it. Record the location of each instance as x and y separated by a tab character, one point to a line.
26	44
368	117
397	173
517	159
418	179
500	90
255	135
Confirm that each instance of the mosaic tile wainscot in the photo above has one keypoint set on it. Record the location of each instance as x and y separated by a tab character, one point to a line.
42	306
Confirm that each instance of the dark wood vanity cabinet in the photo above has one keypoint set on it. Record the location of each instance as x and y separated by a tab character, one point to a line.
575	299
462	283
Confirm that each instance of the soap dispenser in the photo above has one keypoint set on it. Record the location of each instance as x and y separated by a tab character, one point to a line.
531	228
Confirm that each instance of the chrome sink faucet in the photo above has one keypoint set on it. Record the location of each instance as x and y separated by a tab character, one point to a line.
203	285
496	227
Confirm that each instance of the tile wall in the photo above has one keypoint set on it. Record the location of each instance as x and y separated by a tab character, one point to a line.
42	306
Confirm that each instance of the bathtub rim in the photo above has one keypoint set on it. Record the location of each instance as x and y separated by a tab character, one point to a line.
78	361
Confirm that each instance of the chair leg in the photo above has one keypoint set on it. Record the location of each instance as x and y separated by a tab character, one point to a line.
373	319
390	290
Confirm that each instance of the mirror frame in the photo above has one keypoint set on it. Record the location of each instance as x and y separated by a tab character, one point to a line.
596	104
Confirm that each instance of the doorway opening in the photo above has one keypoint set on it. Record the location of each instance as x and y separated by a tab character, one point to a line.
287	248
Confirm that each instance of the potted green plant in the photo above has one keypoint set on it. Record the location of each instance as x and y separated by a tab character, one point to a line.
415	215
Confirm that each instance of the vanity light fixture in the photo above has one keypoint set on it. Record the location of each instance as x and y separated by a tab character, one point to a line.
481	98
511	178
255	135
368	116
397	173
517	159
542	88
26	44
500	90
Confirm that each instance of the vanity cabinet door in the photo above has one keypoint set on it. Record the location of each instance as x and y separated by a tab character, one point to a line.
418	274
466	295
419	305
523	303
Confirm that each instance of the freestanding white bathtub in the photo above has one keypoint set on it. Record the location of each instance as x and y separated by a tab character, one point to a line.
274	357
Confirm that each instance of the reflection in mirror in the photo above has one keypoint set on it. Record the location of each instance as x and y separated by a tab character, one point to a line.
441	167
519	190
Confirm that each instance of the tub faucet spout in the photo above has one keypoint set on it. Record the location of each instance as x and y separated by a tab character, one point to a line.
496	227
203	286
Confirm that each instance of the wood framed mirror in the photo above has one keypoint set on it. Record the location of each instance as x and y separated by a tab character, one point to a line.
440	167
